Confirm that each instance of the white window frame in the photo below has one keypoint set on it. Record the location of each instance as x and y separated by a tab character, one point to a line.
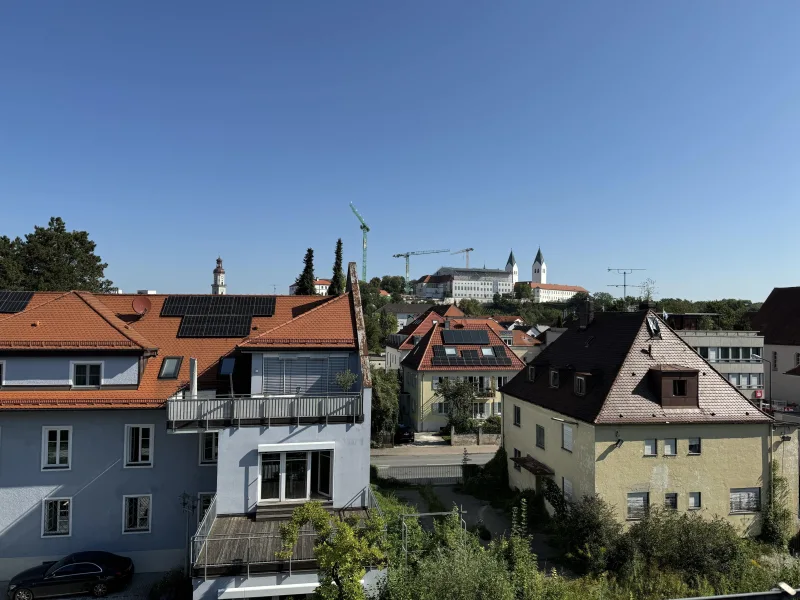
201	460
646	505
45	430
544	437
674	446
450	351
517	416
699	443
149	514
44	517
2	373
125	456
200	504
554	379
531	373
487	352
580	385
564	429
654	449
74	363
740	491
699	504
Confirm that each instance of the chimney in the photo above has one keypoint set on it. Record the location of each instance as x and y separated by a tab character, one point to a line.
193	378
586	313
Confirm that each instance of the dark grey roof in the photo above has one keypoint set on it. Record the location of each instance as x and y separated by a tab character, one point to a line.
403	307
511	260
618	351
539	258
778	319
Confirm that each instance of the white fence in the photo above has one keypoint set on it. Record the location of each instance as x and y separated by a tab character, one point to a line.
265	408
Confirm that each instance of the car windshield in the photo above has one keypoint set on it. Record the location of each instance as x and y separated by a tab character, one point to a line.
64	561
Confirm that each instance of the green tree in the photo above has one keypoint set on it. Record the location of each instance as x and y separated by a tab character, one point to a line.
385	400
603	301
305	282
336	287
776	519
344	549
522	290
52	259
577	301
470	307
394	284
458	397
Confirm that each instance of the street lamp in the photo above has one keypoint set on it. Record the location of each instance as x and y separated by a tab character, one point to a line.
761	358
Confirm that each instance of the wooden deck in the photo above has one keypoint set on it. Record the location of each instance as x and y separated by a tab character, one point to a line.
238	541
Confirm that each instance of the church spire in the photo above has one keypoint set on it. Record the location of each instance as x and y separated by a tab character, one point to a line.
218	287
511	260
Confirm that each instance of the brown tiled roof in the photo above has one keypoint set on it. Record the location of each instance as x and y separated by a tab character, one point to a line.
423	323
506	318
80	321
523	339
778	319
420	358
618	352
558	286
435	279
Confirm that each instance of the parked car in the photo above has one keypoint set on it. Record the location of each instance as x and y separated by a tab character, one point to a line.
403	434
93	573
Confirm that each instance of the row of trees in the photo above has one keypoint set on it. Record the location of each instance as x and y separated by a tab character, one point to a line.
305	281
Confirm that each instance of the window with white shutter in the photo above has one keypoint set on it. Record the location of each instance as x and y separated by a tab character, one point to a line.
566	437
273	376
637	505
745	500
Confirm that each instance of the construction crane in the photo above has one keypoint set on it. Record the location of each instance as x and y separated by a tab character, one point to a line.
407	254
364	230
465	252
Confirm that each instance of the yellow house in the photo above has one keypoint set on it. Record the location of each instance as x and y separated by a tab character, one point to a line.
464	350
622	407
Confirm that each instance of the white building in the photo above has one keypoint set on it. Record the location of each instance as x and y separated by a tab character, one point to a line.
541	291
218	287
511	267
320	285
778	320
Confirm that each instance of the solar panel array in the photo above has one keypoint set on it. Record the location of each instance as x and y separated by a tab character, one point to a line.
471	358
214	326
217	316
14	302
465	336
251	306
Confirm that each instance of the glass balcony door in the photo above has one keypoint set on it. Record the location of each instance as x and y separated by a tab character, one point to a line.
287	476
271	477
297	470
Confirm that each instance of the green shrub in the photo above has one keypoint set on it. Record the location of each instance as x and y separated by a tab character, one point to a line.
777	517
588	533
490	482
174	585
492	424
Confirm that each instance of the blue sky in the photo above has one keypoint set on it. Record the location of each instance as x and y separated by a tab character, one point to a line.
612	134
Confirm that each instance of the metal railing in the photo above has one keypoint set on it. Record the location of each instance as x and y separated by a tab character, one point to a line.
204	529
372	502
265	408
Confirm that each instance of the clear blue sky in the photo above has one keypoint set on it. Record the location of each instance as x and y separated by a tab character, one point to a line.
613	134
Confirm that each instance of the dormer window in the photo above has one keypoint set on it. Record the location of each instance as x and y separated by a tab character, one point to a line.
675	385
554	378
87	374
679	387
580	385
450	351
531	374
170	367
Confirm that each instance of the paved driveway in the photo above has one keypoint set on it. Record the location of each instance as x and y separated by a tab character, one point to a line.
138	589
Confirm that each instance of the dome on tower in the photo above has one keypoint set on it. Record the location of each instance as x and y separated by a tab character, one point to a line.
219	269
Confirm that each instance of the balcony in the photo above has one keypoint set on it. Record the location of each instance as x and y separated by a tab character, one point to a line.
254	411
230	545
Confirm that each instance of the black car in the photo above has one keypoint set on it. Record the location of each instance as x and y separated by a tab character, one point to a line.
403	433
93	573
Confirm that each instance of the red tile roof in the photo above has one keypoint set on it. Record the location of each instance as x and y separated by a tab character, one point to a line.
420	358
520	338
558	286
81	321
423	323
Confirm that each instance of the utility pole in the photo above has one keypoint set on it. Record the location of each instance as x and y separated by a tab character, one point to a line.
624	273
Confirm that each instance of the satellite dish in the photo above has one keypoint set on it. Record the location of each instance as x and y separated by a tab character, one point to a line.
141	304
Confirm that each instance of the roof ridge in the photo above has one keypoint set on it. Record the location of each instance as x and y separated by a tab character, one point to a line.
293	319
89	299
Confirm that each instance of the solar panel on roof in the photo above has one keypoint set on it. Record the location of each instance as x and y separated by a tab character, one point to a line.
469	353
499	351
439	351
226	367
465	336
214	326
250	306
14	302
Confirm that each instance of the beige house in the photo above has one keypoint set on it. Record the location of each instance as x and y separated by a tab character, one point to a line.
622	407
464	351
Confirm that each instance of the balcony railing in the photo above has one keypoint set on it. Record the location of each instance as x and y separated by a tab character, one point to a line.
264	410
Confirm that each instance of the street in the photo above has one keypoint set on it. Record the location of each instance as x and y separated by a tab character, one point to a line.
413	460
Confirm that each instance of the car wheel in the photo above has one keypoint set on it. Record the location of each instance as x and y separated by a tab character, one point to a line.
23	594
99	590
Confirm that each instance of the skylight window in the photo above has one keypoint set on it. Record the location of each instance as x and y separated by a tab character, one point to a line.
449	351
652	326
487	352
170	367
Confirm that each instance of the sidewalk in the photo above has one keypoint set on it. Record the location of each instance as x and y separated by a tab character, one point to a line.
423	450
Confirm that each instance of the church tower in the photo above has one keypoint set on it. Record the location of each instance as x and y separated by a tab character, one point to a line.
511	267
218	287
539	269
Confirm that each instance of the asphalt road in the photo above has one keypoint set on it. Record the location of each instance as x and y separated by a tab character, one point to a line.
428	459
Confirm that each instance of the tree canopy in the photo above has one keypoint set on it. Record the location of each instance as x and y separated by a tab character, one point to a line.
52	259
337	285
305	281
